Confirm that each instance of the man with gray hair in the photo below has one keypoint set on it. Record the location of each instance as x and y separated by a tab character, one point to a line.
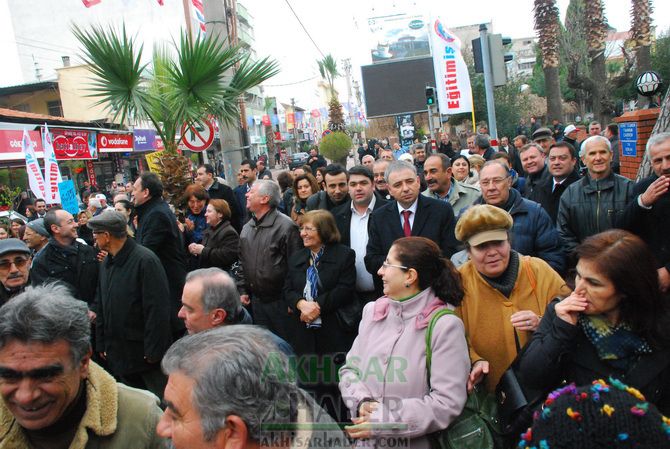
410	214
649	214
483	147
592	205
231	387
53	394
266	243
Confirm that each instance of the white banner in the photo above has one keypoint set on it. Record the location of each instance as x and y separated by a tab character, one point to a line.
35	178
454	94
52	175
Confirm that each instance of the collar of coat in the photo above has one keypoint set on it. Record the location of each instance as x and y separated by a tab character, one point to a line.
593	185
266	221
123	253
102	400
422	305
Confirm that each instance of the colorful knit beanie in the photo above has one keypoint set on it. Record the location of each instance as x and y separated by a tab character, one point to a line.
602	415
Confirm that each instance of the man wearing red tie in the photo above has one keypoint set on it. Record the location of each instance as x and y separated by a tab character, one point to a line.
409	214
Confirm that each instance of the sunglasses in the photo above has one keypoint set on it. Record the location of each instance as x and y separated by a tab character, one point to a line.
19	261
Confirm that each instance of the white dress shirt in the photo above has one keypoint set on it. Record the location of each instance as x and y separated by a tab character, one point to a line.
412	209
358	232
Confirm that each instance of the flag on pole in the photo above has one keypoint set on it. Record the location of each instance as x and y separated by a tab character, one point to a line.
52	175
35	179
454	94
199	14
89	3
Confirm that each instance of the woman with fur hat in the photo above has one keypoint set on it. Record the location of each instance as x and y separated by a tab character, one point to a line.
505	293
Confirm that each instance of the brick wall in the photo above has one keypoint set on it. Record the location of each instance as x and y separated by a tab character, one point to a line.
645	119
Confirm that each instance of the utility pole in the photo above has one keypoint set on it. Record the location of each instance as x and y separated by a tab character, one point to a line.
488	81
295	128
347	70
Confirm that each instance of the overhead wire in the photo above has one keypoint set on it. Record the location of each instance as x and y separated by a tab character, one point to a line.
305	29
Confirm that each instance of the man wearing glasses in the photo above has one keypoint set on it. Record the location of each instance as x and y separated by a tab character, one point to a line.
533	232
14	267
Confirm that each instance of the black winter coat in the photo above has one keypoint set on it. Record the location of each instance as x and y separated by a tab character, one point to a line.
560	351
133	308
76	266
222	244
337	275
548	197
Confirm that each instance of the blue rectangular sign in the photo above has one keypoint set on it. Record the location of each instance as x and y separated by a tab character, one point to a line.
628	131
628	148
68	197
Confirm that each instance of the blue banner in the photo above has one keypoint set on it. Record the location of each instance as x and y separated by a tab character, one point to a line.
68	197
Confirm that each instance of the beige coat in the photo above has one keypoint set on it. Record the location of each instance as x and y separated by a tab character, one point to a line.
117	417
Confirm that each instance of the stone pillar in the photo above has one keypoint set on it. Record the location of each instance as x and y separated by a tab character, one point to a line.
645	120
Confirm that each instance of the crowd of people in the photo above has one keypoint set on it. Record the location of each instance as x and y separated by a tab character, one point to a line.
308	298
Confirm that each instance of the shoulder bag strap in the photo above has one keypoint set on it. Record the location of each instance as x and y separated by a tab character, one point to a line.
429	335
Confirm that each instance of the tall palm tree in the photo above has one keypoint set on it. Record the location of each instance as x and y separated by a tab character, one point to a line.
268	107
548	30
641	39
596	34
328	71
171	91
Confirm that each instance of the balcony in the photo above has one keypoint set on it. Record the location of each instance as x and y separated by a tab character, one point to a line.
243	14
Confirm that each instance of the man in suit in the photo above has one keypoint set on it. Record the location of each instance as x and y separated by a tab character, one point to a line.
409	214
218	190
247	175
353	221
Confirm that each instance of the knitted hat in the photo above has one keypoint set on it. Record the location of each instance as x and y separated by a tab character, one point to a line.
38	226
602	415
483	223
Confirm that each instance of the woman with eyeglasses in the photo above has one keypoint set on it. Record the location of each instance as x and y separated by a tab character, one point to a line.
320	290
385	379
505	293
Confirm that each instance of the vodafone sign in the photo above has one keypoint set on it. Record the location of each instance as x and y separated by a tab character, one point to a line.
115	143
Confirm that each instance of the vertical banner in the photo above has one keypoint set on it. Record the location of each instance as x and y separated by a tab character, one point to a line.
199	12
454	94
90	170
35	179
52	175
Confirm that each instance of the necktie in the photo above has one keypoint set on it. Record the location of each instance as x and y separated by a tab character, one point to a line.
405	223
556	184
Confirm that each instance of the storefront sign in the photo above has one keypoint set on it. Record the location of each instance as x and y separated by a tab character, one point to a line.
115	143
10	145
147	140
90	170
74	144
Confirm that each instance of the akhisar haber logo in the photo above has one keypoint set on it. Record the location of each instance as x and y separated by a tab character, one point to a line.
443	33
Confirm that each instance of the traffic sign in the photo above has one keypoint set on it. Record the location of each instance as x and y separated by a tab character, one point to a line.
197	136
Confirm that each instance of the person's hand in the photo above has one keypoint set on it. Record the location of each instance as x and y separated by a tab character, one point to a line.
360	430
525	320
92	316
244	299
664	279
195	248
309	310
655	190
366	408
189	225
569	309
181	226
101	255
479	370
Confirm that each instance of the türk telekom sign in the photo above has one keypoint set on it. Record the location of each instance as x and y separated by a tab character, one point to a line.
10	145
115	143
74	144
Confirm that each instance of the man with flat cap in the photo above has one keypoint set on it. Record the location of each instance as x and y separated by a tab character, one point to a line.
132	306
544	137
14	267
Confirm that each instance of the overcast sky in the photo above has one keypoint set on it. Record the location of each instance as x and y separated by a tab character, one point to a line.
339	28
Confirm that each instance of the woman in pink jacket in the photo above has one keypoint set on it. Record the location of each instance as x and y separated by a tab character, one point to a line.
384	381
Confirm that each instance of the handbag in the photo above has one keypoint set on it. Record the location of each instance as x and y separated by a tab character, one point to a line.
477	426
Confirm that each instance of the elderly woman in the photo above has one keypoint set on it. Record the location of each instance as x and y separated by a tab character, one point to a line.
505	293
304	186
615	323
385	379
320	287
460	168
220	243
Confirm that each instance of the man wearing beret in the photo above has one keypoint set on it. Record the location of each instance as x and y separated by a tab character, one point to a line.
14	268
132	306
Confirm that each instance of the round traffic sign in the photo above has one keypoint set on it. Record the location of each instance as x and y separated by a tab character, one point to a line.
198	136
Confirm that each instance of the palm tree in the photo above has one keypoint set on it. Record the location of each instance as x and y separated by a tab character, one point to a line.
171	91
328	71
596	33
268	107
641	39
548	30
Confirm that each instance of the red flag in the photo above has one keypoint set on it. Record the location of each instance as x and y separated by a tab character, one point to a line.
160	2
89	3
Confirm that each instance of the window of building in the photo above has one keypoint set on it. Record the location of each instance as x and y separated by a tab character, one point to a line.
55	108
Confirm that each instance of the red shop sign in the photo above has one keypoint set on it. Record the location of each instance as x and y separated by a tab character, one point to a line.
115	143
74	144
10	145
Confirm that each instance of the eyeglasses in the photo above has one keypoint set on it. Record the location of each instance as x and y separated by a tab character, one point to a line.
496	181
20	262
386	265
307	229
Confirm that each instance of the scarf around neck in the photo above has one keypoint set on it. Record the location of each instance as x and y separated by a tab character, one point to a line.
617	345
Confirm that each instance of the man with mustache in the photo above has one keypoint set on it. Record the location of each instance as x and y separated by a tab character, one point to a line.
378	170
648	214
14	267
441	185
